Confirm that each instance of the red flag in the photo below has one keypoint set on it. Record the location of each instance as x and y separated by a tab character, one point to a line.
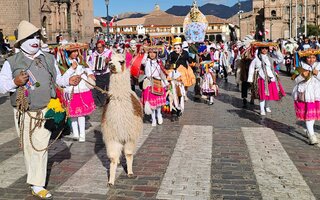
103	23
111	22
267	31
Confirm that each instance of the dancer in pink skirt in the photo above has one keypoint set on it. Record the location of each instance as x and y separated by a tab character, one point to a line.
79	98
269	86
306	93
154	92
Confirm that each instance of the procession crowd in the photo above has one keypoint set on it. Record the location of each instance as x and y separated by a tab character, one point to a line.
61	86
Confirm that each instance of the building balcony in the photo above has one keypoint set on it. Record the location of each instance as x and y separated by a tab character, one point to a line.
214	31
128	32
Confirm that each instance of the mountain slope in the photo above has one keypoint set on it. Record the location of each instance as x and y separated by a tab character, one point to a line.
221	11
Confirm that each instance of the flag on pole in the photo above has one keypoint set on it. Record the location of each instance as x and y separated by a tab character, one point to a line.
111	22
103	23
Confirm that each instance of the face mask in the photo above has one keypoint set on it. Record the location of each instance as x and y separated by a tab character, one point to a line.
31	46
177	49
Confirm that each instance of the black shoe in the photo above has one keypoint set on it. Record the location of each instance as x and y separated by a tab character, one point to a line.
244	103
179	113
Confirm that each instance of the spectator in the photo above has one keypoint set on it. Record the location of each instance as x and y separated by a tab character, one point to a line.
98	62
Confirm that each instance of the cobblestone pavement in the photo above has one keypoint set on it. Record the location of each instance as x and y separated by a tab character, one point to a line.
213	152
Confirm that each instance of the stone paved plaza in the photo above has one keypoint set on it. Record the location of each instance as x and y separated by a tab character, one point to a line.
213	152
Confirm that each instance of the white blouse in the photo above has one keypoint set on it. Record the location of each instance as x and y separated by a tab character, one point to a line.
153	70
82	86
310	88
256	65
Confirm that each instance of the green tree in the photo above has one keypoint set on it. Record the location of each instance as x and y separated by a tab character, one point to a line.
311	30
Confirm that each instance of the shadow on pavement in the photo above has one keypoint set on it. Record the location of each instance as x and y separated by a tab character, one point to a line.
3	99
65	154
102	155
235	101
269	123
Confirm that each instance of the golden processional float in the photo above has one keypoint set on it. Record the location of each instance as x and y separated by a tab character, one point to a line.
195	25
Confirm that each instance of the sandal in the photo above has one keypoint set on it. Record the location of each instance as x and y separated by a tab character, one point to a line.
43	194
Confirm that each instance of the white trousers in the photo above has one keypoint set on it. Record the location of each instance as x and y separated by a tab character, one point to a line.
36	162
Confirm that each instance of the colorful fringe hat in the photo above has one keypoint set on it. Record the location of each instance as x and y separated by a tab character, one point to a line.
309	52
156	48
75	46
62	55
264	44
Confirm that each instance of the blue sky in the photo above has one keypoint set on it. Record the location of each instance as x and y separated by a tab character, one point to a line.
121	6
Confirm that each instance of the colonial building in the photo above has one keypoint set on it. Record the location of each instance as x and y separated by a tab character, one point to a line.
72	18
273	20
160	23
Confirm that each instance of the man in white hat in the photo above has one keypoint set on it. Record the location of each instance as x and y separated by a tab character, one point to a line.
33	74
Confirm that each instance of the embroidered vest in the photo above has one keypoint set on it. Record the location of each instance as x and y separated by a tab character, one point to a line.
43	70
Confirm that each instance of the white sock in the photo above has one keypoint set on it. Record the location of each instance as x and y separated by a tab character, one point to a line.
262	105
309	125
82	126
37	189
74	125
159	112
153	115
211	99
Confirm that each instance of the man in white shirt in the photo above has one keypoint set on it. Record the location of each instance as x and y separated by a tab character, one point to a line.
98	62
33	74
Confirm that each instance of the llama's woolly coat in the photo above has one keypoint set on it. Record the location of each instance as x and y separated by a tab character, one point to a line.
122	116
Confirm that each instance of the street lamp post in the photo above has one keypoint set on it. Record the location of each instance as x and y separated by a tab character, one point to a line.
29	15
290	19
271	28
296	19
305	18
239	6
107	6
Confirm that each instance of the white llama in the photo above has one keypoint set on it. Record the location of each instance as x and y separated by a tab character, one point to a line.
122	117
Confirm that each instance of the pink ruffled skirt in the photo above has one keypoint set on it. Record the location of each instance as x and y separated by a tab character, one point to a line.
273	91
307	110
154	100
81	104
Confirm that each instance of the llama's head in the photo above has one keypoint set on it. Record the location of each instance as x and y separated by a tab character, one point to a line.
117	63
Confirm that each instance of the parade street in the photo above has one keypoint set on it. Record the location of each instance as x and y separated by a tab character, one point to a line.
226	152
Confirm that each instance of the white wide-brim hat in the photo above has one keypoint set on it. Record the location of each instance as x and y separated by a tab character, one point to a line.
25	29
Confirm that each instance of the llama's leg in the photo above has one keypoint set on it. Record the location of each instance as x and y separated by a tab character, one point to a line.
128	151
114	153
